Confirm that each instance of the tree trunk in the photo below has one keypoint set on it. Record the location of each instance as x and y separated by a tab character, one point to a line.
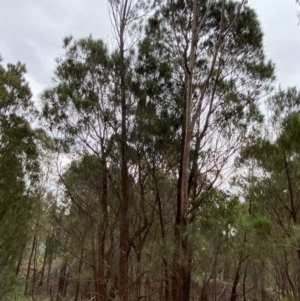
184	277
124	225
290	281
101	235
237	275
166	283
34	271
29	265
20	261
244	284
43	268
62	282
176	272
78	273
48	275
124	231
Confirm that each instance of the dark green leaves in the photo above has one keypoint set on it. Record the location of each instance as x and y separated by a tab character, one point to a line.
19	167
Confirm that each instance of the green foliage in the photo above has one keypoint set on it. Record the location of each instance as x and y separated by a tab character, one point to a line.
261	226
272	190
290	134
80	99
282	104
83	112
240	76
19	168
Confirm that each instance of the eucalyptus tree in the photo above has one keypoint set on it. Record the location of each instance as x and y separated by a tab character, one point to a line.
209	57
19	168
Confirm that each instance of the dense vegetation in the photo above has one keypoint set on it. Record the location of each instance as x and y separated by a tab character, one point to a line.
158	170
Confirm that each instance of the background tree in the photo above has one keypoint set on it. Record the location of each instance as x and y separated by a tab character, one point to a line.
275	191
19	170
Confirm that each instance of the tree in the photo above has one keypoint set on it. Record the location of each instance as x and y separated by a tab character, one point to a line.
275	191
218	69
124	14
19	167
82	112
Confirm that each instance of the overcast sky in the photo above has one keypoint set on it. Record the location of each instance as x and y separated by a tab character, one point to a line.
31	31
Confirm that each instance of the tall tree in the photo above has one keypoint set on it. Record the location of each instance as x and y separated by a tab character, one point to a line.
124	14
19	168
81	112
214	50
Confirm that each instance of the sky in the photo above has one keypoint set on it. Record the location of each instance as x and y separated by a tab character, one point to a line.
31	31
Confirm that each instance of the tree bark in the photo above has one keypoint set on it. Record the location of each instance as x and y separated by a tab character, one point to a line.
34	271
176	271
101	235
184	202
78	274
20	261
241	260
124	225
43	267
29	264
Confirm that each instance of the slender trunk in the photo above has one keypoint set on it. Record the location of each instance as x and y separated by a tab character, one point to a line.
34	271
236	280
166	282
293	210
29	264
184	201
102	228
241	260
62	282
283	285
124	225
94	265
48	275
78	273
204	294
96	282
43	267
233	296
176	272
244	284
290	281
166	292
184	243
138	273
140	242
20	261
